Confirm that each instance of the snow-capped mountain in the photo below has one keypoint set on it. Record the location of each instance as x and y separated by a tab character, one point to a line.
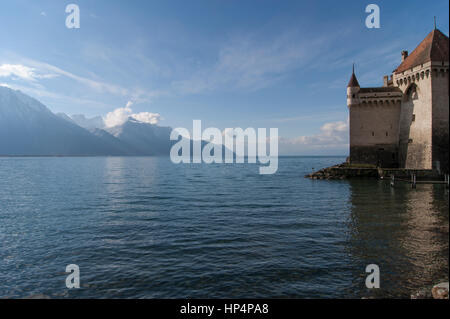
27	127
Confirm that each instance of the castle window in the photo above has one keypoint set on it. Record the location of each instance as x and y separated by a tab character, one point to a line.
413	117
387	134
373	133
410	141
411	93
353	95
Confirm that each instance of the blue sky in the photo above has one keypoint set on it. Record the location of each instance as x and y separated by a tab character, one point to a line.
262	63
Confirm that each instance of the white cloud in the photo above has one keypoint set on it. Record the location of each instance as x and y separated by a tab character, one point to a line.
331	134
43	13
117	117
121	115
333	139
147	117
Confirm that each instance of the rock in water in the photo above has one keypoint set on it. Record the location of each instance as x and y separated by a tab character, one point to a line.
423	293
440	291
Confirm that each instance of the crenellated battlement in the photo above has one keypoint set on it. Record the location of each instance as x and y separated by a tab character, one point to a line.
421	72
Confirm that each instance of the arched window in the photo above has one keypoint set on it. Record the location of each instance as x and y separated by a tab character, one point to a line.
411	93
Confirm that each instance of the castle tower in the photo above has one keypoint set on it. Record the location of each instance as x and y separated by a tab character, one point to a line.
374	117
423	77
353	90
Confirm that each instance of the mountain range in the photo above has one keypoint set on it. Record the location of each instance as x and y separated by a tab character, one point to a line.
29	128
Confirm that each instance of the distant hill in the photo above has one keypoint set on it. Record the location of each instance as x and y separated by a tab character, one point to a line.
27	127
146	139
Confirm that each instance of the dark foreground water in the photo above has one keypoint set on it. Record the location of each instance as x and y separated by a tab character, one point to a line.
146	228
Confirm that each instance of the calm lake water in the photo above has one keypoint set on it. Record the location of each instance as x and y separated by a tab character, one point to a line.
142	227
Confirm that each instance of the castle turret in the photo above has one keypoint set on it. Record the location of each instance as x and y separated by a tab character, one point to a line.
353	90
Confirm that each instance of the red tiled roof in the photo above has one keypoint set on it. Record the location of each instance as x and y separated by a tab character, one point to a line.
433	48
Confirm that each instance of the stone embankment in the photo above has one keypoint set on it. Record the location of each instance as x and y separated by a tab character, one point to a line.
345	171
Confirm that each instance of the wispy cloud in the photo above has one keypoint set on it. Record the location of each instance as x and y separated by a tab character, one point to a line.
59	98
30	74
24	72
251	62
322	116
367	60
332	135
101	87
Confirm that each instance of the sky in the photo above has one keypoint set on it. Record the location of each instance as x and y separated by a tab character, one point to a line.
260	64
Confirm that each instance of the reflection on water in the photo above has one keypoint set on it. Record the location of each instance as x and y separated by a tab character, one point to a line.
143	227
402	230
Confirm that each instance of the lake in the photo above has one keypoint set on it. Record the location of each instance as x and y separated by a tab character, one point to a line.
143	227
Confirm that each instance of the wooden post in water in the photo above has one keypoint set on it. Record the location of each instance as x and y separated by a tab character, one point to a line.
413	180
392	180
447	180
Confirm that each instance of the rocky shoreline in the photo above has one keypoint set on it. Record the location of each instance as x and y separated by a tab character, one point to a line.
343	171
346	171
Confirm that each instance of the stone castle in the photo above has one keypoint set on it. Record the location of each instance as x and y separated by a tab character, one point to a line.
404	123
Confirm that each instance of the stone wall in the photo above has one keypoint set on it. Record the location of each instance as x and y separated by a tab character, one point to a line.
415	142
374	133
378	155
374	124
440	138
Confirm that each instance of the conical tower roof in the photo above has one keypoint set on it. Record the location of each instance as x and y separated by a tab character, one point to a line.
353	81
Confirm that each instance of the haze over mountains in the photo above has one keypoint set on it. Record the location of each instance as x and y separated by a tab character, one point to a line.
27	127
